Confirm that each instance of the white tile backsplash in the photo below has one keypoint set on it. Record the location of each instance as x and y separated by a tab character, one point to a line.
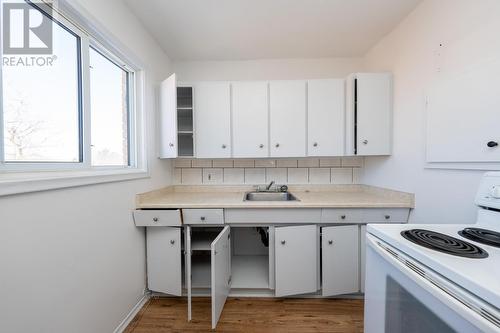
319	175
182	163
212	176
352	161
255	176
279	175
298	176
265	163
222	163
234	176
330	162
332	170
341	176
286	163
191	176
244	163
202	163
308	163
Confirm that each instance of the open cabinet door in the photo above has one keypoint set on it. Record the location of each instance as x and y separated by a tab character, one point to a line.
168	118
340	245
296	251
164	260
221	273
187	260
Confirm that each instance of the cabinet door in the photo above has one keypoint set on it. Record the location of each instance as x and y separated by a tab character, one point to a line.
212	119
164	260
326	113
168	118
340	246
373	113
288	118
250	119
221	273
362	249
187	261
296	251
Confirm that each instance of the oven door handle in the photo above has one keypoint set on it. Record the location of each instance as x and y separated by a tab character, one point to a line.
479	313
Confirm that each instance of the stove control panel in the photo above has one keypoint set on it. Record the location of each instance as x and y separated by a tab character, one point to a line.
488	194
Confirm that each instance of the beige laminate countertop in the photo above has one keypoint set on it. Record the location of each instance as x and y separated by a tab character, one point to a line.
310	196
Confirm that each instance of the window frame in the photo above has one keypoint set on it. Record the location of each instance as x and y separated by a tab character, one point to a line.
15	176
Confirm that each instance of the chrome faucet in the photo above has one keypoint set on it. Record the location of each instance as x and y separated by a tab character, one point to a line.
268	187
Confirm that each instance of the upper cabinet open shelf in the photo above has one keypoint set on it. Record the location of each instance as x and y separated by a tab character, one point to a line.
293	118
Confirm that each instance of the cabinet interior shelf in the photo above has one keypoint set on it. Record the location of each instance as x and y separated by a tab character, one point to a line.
185	132
184	108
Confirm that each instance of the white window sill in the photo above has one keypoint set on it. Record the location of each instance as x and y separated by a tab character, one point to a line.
24	182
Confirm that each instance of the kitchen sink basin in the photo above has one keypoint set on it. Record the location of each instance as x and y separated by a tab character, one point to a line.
269	196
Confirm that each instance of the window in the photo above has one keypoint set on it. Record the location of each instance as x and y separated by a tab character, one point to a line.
109	111
41	107
74	108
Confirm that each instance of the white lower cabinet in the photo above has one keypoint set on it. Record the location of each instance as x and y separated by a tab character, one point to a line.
296	253
340	260
164	260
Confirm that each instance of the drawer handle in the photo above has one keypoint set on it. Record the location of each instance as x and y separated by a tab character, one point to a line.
277	145
387	217
365	142
224	146
172	241
202	218
155	219
261	146
283	242
315	144
330	242
343	217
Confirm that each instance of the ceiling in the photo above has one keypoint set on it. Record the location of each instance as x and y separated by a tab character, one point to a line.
265	29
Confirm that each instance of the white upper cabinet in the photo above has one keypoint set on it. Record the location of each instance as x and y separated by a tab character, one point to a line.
369	119
168	118
326	113
250	120
212	113
287	118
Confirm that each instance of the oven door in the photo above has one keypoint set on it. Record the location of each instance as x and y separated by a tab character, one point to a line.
402	295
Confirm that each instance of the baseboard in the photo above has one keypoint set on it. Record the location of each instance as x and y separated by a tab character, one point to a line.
126	321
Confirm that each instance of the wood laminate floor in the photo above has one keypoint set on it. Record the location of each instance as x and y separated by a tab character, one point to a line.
257	315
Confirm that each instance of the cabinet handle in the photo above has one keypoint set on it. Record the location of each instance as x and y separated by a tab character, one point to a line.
224	146
343	217
387	217
365	142
330	242
261	146
155	219
492	144
171	144
277	145
283	242
202	218
315	144
172	241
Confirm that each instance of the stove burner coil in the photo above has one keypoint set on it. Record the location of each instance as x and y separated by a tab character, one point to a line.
444	243
482	236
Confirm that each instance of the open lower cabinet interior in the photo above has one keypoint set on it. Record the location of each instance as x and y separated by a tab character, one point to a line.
259	261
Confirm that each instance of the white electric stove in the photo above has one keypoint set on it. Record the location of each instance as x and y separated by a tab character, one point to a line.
436	277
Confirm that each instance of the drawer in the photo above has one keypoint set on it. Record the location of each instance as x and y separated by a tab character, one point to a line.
153	218
273	215
386	215
338	215
203	216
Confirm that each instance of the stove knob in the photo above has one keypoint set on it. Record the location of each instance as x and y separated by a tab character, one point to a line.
495	191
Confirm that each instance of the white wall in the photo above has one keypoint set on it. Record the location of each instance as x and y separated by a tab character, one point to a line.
72	260
267	69
410	52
